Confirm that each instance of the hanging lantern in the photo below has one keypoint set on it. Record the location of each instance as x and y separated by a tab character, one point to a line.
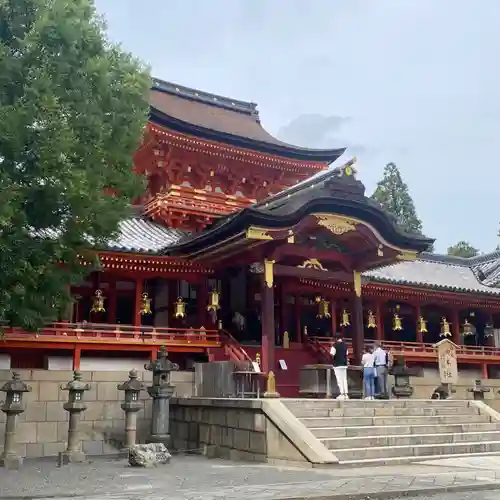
98	302
467	328
397	322
372	323
323	309
318	299
445	328
180	308
145	305
213	301
422	325
488	331
345	318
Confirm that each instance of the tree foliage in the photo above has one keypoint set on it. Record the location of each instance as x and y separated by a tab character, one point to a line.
463	249
392	193
72	110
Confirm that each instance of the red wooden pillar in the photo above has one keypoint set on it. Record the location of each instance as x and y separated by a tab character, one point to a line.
268	317
358	334
379	331
455	326
202	301
484	367
334	316
76	357
283	311
296	310
418	313
111	317
137	303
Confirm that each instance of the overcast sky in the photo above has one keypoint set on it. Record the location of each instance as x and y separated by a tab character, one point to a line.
415	82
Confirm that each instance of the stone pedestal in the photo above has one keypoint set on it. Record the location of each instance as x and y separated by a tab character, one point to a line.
131	406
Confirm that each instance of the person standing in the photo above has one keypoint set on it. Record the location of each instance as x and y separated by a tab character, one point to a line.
368	362
381	361
339	354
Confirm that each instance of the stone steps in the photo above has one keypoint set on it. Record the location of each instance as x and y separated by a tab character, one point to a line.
411	440
383	421
397	430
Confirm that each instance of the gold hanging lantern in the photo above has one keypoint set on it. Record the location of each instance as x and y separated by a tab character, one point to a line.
98	302
467	328
422	325
345	318
145	305
213	301
397	322
372	323
180	308
323	309
445	328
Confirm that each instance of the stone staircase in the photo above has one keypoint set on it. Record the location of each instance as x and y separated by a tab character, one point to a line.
398	431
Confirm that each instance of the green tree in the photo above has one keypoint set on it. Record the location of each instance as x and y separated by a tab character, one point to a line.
463	249
392	193
72	111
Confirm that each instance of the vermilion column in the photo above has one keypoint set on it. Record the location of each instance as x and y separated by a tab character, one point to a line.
455	326
379	331
334	316
139	284
112	301
202	301
268	317
76	357
358	334
296	310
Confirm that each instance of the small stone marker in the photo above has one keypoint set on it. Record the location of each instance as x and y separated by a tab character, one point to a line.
148	455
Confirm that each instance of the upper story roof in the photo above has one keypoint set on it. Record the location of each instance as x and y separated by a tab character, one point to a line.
218	118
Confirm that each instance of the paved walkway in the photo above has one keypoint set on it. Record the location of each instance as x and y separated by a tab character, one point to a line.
197	478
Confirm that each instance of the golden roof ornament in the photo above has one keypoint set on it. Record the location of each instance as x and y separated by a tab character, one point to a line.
145	305
372	323
345	318
323	308
422	325
213	301
445	328
180	308
98	302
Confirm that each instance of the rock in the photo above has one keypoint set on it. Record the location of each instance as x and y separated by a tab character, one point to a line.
148	455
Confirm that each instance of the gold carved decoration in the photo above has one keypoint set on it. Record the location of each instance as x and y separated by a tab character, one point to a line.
335	224
291	237
407	256
345	318
269	273
180	308
357	283
312	264
213	301
145	305
445	328
422	325
372	323
98	302
258	233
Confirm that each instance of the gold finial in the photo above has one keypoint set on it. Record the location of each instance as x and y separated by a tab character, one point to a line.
271	386
286	340
257	358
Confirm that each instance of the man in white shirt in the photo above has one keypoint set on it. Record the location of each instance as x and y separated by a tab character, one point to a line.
340	359
381	359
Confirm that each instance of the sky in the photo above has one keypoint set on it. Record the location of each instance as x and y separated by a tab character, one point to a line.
412	82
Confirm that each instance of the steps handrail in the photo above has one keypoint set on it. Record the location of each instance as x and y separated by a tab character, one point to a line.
233	343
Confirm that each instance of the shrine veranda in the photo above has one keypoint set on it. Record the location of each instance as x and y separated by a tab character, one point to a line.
248	249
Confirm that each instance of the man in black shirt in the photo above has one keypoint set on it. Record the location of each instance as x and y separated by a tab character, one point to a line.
340	359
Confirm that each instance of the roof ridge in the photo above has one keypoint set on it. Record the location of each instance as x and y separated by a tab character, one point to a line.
460	261
246	107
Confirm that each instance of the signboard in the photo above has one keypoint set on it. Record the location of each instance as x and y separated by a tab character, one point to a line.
447	357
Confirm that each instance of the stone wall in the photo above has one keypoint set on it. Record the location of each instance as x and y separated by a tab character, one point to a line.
43	427
243	429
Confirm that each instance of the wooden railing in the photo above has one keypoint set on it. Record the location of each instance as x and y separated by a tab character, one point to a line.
416	350
234	349
119	334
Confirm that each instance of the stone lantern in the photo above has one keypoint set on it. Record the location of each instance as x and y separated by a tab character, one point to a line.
74	407
131	406
12	406
161	391
402	387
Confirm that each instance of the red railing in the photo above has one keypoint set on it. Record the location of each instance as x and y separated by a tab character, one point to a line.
234	349
119	334
418	350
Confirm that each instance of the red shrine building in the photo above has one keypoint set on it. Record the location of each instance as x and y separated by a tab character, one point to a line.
247	248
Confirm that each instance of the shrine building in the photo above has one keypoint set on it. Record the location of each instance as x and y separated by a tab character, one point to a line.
245	248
